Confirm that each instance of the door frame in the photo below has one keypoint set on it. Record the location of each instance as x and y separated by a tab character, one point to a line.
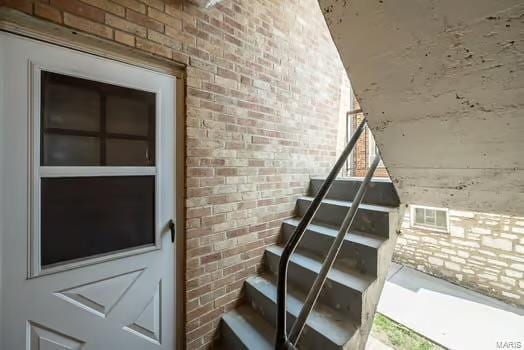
22	24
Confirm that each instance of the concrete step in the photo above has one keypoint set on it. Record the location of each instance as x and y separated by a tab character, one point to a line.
370	218
380	191
326	328
359	250
343	289
344	312
244	328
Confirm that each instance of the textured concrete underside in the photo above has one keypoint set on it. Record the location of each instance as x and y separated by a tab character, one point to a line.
442	84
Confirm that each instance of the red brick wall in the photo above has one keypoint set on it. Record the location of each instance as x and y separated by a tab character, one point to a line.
263	95
361	152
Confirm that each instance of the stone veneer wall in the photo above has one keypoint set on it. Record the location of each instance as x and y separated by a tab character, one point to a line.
263	97
483	252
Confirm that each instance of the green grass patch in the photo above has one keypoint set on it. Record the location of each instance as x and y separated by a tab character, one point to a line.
399	337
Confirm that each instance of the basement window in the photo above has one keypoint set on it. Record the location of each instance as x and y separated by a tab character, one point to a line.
435	219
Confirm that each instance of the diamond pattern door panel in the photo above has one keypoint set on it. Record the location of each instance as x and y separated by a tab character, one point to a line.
101	296
148	323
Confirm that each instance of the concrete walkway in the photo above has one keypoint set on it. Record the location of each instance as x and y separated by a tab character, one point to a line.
454	317
375	344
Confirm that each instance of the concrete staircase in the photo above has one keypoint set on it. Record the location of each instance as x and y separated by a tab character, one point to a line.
344	313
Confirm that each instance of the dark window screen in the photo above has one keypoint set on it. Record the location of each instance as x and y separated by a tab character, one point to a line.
88	123
86	216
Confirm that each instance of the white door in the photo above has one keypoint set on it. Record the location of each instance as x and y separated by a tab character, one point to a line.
87	165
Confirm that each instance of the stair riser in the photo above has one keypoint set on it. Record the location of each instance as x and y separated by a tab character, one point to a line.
379	193
266	307
334	294
360	257
229	339
369	221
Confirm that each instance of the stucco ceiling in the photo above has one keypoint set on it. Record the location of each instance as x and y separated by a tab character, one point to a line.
442	84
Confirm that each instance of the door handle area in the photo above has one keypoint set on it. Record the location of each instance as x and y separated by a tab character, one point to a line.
171	225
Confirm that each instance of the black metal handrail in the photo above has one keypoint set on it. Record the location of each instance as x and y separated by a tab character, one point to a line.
282	340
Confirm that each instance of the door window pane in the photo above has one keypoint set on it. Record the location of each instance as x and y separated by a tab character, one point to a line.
86	216
126	115
128	152
78	112
68	106
66	150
